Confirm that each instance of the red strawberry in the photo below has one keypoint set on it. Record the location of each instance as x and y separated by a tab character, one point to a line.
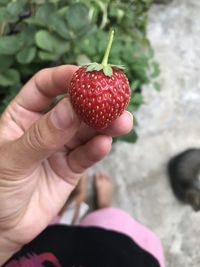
99	93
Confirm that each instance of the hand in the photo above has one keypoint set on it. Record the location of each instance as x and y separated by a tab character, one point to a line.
43	155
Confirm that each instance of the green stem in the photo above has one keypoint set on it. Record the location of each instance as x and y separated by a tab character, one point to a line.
107	52
2	28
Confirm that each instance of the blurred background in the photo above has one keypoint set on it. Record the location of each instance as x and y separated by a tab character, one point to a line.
159	43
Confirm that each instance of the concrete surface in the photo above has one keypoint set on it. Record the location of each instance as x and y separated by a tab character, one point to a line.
169	123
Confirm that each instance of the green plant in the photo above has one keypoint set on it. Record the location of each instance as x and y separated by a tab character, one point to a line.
38	33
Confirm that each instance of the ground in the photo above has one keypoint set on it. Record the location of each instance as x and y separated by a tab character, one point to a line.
169	122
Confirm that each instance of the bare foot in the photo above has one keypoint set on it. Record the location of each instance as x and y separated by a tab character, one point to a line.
104	188
78	194
81	189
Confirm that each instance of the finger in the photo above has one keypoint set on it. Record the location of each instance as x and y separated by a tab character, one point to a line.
88	154
44	137
122	125
80	159
39	92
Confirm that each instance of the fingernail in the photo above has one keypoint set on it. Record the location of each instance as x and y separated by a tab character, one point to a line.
131	120
130	114
63	115
111	140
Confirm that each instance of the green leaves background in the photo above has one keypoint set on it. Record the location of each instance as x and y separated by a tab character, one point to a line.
38	33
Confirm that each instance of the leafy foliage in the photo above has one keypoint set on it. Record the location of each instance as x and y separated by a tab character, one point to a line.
44	33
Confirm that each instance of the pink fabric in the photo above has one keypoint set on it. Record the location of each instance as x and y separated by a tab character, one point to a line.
120	221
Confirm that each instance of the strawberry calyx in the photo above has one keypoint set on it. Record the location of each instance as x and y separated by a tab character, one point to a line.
107	68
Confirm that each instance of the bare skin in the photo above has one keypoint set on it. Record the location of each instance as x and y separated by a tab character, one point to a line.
104	189
43	156
78	196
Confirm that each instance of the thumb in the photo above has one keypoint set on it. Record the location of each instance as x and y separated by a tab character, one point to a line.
47	135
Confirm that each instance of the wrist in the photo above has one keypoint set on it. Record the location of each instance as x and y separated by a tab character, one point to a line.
8	249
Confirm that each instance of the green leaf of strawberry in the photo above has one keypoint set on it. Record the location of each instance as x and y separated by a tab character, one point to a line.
99	93
107	70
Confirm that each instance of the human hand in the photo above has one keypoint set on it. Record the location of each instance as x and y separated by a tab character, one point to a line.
42	156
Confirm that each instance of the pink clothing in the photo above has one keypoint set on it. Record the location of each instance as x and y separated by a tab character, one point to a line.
120	221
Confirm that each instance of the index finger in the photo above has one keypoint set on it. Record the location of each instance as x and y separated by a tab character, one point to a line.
38	93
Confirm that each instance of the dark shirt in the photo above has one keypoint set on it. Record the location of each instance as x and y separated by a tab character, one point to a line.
67	246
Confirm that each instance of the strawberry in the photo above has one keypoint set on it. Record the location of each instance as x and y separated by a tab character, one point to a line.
99	93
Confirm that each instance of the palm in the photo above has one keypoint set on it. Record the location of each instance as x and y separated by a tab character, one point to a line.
42	190
49	192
